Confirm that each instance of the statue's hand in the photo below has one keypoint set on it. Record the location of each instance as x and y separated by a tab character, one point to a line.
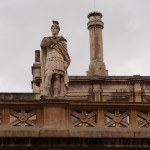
54	42
49	43
46	42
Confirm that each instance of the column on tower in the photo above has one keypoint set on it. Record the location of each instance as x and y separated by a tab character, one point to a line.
95	26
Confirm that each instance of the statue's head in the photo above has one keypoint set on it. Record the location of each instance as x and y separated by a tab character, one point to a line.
55	28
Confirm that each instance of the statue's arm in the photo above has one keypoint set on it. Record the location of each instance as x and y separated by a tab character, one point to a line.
67	57
46	42
43	43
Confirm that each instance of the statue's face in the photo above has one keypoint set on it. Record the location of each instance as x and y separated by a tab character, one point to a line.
55	30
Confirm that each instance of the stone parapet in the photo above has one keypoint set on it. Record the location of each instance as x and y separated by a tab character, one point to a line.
98	107
74	118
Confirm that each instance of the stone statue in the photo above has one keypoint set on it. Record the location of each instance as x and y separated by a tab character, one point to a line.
54	63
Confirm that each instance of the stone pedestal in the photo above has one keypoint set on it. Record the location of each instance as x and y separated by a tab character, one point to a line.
55	117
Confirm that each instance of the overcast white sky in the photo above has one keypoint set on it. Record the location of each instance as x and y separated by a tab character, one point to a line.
23	24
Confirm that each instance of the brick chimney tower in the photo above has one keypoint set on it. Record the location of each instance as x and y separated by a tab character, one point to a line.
95	26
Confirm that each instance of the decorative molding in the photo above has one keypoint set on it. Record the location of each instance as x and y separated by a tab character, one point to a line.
143	119
83	118
117	98
117	119
22	118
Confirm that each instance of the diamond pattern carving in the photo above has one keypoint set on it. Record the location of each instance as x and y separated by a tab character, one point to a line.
143	119
83	118
22	118
117	118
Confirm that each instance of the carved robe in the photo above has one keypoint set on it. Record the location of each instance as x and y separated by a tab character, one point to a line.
55	58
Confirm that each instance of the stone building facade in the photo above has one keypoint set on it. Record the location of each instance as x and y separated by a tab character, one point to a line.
98	111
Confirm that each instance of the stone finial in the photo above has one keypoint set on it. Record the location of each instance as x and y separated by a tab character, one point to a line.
95	20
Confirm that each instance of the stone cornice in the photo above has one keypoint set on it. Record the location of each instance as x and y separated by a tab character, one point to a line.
111	79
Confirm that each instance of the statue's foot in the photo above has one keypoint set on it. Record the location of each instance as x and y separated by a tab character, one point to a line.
42	97
61	94
56	93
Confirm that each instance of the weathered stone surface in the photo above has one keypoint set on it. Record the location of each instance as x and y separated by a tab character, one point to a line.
98	111
95	108
55	117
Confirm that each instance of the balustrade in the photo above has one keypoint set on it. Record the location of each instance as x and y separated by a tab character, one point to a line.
78	118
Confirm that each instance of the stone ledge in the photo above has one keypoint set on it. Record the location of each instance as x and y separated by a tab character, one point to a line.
82	133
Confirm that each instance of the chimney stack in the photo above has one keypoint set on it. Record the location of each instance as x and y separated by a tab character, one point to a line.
95	26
